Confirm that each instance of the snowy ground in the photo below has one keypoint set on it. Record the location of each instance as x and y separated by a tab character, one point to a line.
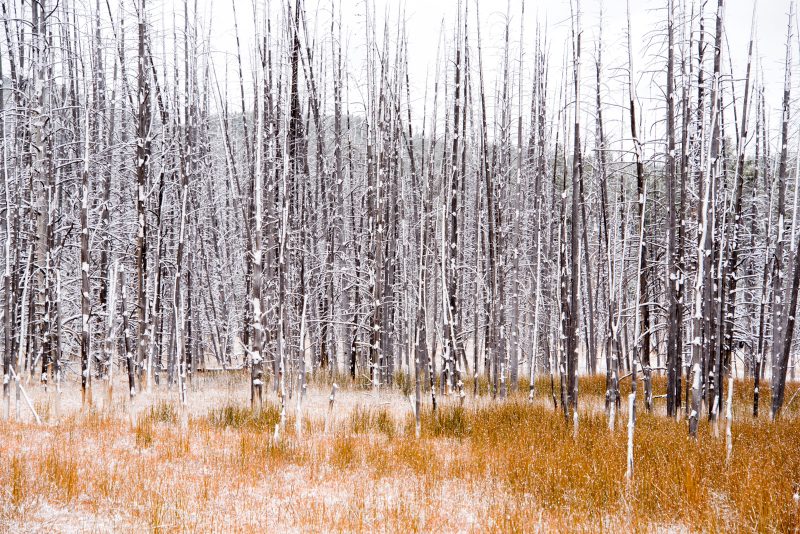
151	465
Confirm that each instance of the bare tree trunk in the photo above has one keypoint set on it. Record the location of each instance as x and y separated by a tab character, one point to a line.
703	300
643	307
111	331
673	272
257	357
86	376
490	338
733	259
761	349
126	336
779	322
142	167
713	286
571	330
9	305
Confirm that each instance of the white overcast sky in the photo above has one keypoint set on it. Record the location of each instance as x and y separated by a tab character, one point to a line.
425	18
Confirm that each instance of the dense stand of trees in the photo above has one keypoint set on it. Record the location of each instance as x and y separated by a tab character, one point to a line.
323	217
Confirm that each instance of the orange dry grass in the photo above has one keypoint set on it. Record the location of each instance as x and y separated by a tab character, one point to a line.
496	466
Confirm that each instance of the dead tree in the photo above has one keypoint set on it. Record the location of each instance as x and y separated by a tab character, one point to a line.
571	320
143	140
641	350
779	323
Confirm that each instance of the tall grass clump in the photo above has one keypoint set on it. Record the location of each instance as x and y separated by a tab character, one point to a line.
447	421
364	420
240	417
61	470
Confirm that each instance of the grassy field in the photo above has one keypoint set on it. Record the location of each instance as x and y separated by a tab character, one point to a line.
510	466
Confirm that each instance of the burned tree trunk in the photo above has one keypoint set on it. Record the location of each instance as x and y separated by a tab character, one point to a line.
779	323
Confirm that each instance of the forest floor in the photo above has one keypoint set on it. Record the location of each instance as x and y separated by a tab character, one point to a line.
510	466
